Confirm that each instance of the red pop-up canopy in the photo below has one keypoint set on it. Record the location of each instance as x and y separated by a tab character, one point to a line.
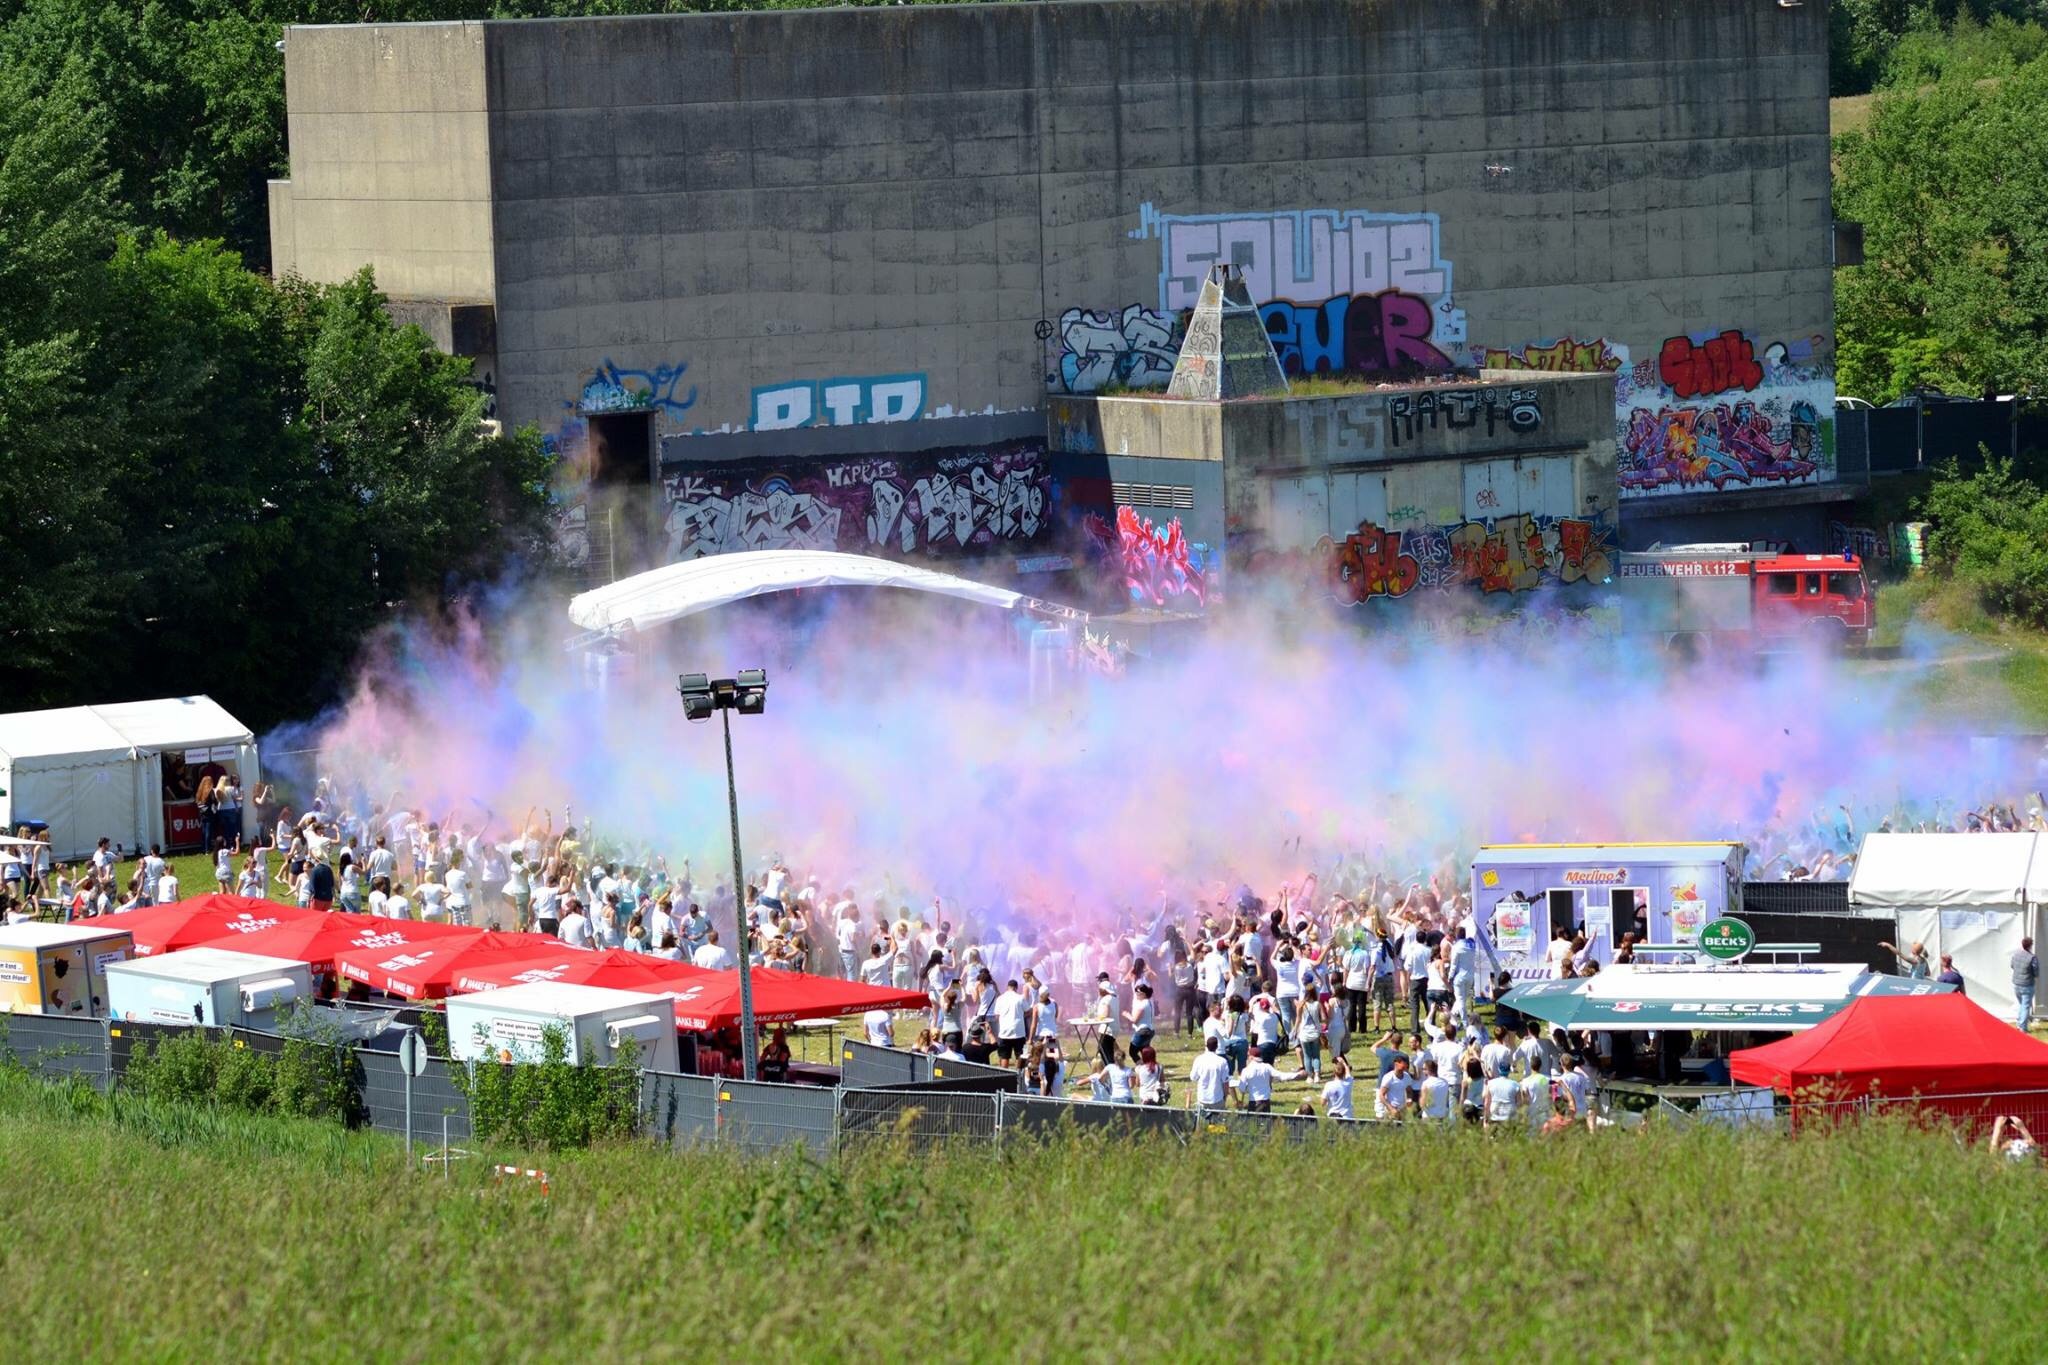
199	919
704	999
427	971
316	939
1899	1045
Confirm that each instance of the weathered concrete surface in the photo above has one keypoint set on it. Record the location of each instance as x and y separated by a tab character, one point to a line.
390	162
841	216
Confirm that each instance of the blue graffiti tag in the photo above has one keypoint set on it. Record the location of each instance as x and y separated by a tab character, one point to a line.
611	389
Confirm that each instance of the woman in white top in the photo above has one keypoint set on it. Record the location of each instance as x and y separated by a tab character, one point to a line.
1150	1079
252	878
395	906
1337	1091
430	894
457	882
351	896
1287	984
1111	1081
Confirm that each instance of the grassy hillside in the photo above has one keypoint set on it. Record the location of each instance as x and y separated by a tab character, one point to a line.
166	1233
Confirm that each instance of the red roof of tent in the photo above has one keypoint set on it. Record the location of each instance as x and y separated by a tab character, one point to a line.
199	919
1900	1045
704	999
316	939
553	960
427	971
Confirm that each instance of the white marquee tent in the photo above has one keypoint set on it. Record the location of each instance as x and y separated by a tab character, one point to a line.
99	771
1971	896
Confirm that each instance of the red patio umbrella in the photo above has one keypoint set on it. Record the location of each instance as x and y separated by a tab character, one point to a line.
426	971
316	939
200	919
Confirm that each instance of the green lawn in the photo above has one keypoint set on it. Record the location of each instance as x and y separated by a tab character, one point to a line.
162	1232
1982	674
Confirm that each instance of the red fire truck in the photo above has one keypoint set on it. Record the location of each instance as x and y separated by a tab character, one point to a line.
1703	595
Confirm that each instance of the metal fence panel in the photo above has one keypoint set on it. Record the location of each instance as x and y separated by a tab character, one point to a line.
55	1046
381	1083
1244	1124
1963	431
679	1110
1796	898
764	1116
1894	440
862	1065
923	1116
123	1036
1041	1115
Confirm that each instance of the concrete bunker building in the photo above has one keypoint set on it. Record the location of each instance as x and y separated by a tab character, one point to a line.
886	279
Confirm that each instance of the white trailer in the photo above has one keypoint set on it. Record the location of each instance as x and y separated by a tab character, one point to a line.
508	1025
211	986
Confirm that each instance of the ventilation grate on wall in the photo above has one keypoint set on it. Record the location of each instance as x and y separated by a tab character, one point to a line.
1173	495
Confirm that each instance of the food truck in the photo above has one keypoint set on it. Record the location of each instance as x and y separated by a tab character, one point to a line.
1523	894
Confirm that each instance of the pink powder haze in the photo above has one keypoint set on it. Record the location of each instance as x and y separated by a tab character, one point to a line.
902	751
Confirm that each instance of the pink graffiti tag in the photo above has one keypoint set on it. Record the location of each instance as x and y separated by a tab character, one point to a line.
1156	561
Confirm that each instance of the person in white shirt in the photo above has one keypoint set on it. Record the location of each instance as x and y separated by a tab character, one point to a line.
1435	1102
430	894
223	866
395	906
575	928
456	879
714	957
845	934
1047	1018
1446	1052
1337	1091
1396	1091
1255	1084
1577	1086
1415	960
1011	1025
1209	1077
1214	1027
875	971
1497	1057
879	1024
166	886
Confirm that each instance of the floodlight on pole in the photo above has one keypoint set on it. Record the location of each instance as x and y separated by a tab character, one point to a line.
748	694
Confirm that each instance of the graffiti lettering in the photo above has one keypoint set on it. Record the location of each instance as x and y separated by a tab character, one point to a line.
611	389
1501	555
1675	436
903	505
1158	565
1134	350
1716	365
1517	410
839	402
1385	333
1563	356
1680	448
1860	541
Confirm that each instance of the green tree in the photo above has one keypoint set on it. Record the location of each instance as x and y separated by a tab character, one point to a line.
1951	186
396	430
1991	532
57	225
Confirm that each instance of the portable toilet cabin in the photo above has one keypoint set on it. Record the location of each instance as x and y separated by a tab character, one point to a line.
58	968
211	986
509	1024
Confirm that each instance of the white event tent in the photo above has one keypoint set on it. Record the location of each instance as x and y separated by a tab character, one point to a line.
1971	896
116	771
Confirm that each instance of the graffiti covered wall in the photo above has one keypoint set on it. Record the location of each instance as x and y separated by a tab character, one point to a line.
932	503
1723	411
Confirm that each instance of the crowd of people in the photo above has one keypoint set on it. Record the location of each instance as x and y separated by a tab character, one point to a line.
1338	977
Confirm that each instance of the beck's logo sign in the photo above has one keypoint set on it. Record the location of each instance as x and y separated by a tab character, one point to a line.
1726	939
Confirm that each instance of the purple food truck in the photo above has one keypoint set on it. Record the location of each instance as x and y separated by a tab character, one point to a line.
1523	894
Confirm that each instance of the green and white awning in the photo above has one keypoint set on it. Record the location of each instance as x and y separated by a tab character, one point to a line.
1627	998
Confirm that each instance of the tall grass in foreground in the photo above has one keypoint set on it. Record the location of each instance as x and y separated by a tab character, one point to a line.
153	1230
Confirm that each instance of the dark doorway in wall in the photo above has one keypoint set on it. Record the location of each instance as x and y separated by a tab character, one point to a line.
622	503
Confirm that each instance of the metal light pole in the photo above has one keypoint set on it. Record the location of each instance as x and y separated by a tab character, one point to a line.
748	694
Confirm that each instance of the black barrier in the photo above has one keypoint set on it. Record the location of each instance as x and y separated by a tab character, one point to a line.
940	1070
1025	1115
56	1047
764	1116
862	1065
925	1116
1894	439
1963	431
678	1110
1795	898
1243	1123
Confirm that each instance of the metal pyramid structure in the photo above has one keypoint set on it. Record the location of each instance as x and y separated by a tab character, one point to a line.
1227	352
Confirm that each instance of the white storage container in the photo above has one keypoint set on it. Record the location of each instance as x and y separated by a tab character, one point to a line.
507	1025
211	986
